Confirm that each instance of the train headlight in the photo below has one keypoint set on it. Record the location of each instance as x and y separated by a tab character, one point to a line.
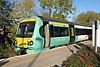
15	42
30	43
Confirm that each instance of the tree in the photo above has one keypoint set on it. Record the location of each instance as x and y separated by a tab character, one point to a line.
87	17
23	9
5	11
59	9
5	21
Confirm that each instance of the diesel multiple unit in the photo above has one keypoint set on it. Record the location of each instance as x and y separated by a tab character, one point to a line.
37	33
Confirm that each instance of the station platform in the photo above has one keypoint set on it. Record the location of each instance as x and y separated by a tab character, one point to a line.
48	58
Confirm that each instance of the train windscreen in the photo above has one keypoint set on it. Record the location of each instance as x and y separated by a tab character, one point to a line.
26	29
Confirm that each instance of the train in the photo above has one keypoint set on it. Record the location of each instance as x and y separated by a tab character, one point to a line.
38	33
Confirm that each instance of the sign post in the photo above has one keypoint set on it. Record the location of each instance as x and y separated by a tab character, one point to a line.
96	35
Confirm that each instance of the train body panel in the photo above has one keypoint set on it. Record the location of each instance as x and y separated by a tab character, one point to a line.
59	38
83	33
38	41
82	37
37	34
59	41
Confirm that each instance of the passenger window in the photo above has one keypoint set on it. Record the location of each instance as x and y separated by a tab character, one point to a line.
41	30
60	31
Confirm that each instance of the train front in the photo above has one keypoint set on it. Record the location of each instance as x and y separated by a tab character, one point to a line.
24	35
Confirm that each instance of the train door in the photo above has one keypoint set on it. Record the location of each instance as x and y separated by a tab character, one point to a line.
72	33
47	35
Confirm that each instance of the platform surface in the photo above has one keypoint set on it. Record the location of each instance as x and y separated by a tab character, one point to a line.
44	59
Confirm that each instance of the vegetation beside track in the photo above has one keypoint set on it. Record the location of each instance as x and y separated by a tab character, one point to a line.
7	43
85	57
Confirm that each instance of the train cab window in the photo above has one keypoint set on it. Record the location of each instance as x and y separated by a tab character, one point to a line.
26	29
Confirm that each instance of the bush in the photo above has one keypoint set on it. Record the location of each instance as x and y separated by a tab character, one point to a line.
7	52
83	58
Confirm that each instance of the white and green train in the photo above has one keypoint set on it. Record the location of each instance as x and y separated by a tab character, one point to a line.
38	33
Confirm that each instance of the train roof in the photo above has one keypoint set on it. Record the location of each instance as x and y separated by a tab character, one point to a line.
62	21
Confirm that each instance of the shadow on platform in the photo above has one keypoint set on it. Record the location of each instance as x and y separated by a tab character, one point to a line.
34	59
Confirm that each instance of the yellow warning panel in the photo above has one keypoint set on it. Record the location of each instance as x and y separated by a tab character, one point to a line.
59	23
72	30
28	19
23	41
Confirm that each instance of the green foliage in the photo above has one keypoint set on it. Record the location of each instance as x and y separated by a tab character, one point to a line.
6	49
57	8
23	9
7	52
5	10
13	29
83	58
6	45
87	18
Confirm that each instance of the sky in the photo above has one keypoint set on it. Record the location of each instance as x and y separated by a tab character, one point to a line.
85	5
81	6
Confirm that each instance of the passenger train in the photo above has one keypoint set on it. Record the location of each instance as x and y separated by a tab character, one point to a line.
37	33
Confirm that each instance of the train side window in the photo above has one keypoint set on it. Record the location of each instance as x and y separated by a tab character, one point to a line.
78	31
60	31
66	32
51	29
55	31
41	31
83	31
